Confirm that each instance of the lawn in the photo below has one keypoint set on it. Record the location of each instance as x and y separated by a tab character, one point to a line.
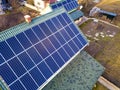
110	58
110	5
104	48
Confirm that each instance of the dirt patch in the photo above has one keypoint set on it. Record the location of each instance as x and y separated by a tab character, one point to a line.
16	15
93	48
10	20
98	30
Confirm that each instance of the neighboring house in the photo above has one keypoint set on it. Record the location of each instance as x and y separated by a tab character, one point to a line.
71	6
43	5
31	55
109	15
93	11
100	12
40	4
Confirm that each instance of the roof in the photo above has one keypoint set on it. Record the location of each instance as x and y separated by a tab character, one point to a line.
109	13
70	6
24	26
81	74
22	29
76	14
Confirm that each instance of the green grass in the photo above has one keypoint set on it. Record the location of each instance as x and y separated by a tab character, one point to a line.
99	86
85	23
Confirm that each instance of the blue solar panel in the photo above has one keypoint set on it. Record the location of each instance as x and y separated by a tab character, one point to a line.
35	55
1	59
69	5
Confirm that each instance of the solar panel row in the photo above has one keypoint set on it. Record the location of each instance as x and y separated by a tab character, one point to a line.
67	4
30	58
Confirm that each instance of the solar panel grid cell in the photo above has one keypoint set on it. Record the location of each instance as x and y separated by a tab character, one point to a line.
31	36
51	26
5	50
34	55
39	32
14	44
17	85
31	57
54	41
17	67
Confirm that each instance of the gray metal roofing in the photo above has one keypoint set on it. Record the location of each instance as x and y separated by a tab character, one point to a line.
76	14
81	74
109	13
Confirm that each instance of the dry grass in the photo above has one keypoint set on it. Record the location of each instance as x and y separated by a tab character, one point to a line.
107	2
109	5
109	55
110	58
106	50
99	87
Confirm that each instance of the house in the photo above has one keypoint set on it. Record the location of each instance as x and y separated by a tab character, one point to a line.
109	15
71	6
93	11
101	12
31	55
41	4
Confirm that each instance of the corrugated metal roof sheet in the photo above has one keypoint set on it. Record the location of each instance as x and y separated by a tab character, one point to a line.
76	14
109	13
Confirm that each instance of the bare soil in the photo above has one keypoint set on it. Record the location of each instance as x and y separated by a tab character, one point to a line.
8	21
16	15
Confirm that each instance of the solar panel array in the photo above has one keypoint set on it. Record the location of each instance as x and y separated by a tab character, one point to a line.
67	4
30	58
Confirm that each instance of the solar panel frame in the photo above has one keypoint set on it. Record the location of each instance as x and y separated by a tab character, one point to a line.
69	5
23	28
